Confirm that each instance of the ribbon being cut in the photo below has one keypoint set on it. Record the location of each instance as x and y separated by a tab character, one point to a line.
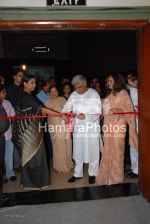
70	116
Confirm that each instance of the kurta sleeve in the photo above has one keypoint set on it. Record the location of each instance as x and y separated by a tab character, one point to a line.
127	106
68	107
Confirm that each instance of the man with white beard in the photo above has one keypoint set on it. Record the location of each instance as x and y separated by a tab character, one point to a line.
86	104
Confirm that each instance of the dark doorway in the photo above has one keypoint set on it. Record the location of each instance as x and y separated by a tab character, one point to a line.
93	53
139	27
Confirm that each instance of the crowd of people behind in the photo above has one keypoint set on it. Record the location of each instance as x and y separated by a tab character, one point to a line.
101	111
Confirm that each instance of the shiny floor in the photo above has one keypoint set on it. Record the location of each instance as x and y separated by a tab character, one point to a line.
70	195
61	191
59	181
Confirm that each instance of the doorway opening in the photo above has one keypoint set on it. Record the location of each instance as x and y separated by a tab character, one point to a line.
93	53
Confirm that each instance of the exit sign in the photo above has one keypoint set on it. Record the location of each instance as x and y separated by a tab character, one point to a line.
65	2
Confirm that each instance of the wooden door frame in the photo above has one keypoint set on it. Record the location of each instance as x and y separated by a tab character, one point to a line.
32	25
77	25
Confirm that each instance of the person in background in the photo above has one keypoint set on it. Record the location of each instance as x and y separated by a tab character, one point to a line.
12	93
4	125
98	89
133	90
43	96
111	170
8	135
64	81
52	81
93	82
66	91
132	80
86	104
14	88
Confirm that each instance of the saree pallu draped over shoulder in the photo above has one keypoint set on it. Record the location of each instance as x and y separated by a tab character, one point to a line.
29	140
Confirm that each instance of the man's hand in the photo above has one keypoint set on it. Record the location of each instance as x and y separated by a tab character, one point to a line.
81	116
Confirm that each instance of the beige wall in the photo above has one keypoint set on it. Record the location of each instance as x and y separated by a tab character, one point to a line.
14	3
112	3
100	3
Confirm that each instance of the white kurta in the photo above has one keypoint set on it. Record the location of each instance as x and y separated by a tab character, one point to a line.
86	135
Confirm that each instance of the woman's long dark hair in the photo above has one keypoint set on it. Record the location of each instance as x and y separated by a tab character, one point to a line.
119	82
26	78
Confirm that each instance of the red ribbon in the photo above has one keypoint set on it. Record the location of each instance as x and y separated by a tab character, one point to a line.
69	115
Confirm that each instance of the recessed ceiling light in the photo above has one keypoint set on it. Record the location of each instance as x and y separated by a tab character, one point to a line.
40	49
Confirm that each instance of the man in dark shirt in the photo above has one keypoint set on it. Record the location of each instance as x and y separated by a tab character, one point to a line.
14	88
